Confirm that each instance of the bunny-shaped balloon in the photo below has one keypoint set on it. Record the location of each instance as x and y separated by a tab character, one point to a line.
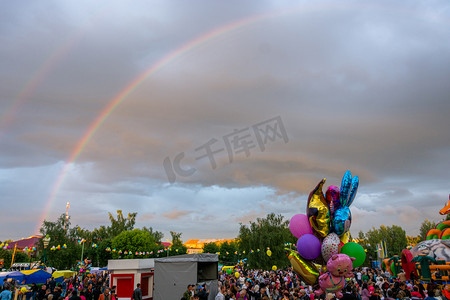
342	217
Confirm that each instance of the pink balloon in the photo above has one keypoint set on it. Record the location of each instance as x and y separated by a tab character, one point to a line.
308	246
299	225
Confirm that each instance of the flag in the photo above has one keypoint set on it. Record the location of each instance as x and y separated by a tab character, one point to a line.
382	250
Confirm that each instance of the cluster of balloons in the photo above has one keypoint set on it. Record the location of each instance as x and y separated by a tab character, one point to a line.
4	246
54	248
84	266
324	230
108	249
31	249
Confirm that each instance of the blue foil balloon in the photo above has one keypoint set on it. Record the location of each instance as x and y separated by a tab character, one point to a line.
346	185
353	190
342	220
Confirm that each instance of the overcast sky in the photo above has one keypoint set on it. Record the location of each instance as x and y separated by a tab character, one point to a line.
282	96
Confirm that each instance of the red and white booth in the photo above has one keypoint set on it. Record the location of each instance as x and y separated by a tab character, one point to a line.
127	273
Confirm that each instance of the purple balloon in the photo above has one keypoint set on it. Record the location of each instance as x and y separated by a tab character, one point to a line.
308	246
299	225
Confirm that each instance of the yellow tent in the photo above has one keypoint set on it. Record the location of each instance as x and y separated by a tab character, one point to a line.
28	272
63	273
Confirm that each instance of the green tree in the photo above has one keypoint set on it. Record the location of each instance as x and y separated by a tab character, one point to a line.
228	253
6	255
133	241
425	227
176	238
270	232
211	248
177	247
63	258
20	257
157	235
363	242
120	224
98	255
394	236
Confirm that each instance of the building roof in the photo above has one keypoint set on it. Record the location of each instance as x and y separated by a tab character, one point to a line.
195	257
166	245
199	244
29	242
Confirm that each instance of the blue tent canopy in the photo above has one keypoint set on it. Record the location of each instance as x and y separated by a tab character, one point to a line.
36	276
18	276
30	276
3	275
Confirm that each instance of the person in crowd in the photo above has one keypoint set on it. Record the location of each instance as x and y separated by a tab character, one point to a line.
365	277
97	291
113	293
6	284
202	292
105	295
48	294
365	294
243	295
389	295
187	295
6	293
68	295
438	275
33	291
57	292
220	295
376	294
359	277
430	296
415	294
52	284
82	295
405	289
88	293
437	294
74	296
41	292
401	294
446	292
137	293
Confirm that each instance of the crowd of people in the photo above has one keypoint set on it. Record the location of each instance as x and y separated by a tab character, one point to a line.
91	287
367	284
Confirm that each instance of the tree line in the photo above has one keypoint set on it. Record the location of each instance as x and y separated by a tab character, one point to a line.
272	232
68	245
121	240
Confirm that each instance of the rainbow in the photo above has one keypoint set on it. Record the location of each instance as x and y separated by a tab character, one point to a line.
131	87
136	82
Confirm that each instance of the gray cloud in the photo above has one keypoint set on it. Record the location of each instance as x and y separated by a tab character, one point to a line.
360	87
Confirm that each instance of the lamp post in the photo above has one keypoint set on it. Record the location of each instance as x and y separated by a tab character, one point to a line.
46	241
82	248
